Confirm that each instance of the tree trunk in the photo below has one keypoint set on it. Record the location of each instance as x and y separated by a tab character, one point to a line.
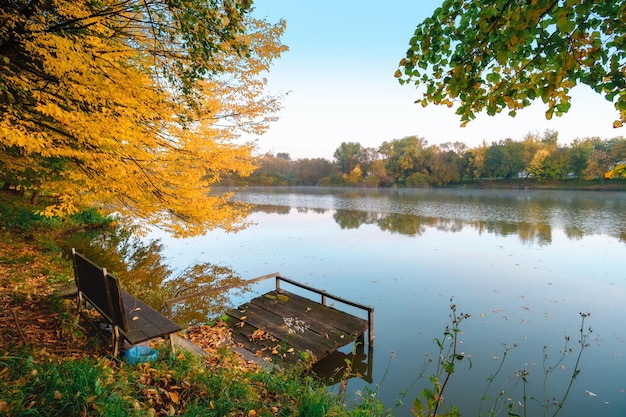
35	197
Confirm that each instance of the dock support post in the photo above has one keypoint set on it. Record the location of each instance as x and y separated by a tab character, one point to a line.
277	283
370	322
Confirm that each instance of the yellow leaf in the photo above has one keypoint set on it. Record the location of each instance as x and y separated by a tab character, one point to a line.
174	396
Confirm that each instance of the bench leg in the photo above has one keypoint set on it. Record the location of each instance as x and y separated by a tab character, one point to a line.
79	300
116	340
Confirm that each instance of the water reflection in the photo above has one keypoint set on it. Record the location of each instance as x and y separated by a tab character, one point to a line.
529	215
524	264
339	367
143	272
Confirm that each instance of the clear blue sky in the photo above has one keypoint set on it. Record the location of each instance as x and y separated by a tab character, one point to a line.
339	75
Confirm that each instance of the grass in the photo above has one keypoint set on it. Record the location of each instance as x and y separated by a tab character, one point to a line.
174	385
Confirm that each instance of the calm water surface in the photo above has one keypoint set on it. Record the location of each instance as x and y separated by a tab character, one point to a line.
523	263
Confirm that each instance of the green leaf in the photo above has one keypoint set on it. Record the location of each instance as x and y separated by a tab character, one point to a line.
493	77
427	394
419	408
563	107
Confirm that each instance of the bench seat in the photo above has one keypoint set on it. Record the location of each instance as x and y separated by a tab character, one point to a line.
144	322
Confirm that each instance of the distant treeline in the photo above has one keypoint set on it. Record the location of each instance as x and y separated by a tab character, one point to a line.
411	162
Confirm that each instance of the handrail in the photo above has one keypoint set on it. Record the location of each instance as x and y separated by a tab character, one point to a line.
325	295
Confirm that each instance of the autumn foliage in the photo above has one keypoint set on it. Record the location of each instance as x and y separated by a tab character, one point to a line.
133	107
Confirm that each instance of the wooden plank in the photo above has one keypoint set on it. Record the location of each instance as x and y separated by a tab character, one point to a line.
318	322
285	302
296	324
274	325
263	348
144	322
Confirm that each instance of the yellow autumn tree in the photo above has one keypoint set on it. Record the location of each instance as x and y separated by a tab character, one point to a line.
133	106
355	176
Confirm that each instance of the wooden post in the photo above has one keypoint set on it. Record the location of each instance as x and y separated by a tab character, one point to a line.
370	322
324	299
277	283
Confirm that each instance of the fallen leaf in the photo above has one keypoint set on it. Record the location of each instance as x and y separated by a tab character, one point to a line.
174	396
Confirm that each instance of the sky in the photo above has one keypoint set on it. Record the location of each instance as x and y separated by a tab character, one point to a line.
338	76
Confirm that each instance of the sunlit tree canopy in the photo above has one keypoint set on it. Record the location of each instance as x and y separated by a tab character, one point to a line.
497	55
132	105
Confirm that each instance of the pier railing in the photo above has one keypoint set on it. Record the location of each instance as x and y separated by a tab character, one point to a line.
325	295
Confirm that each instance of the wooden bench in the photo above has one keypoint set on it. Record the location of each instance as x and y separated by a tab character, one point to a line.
129	317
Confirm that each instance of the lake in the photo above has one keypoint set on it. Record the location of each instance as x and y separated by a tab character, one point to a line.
524	264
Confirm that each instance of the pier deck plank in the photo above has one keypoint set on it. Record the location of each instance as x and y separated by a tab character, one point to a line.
280	325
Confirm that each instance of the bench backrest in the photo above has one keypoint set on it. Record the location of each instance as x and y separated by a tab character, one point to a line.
100	289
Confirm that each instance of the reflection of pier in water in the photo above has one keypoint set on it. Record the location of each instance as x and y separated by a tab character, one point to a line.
332	368
288	329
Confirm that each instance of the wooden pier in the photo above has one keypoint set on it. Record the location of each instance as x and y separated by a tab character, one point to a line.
288	329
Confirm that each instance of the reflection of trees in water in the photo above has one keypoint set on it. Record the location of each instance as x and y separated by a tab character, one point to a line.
540	233
353	219
313	210
198	278
406	225
538	215
143	272
266	208
412	225
574	232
